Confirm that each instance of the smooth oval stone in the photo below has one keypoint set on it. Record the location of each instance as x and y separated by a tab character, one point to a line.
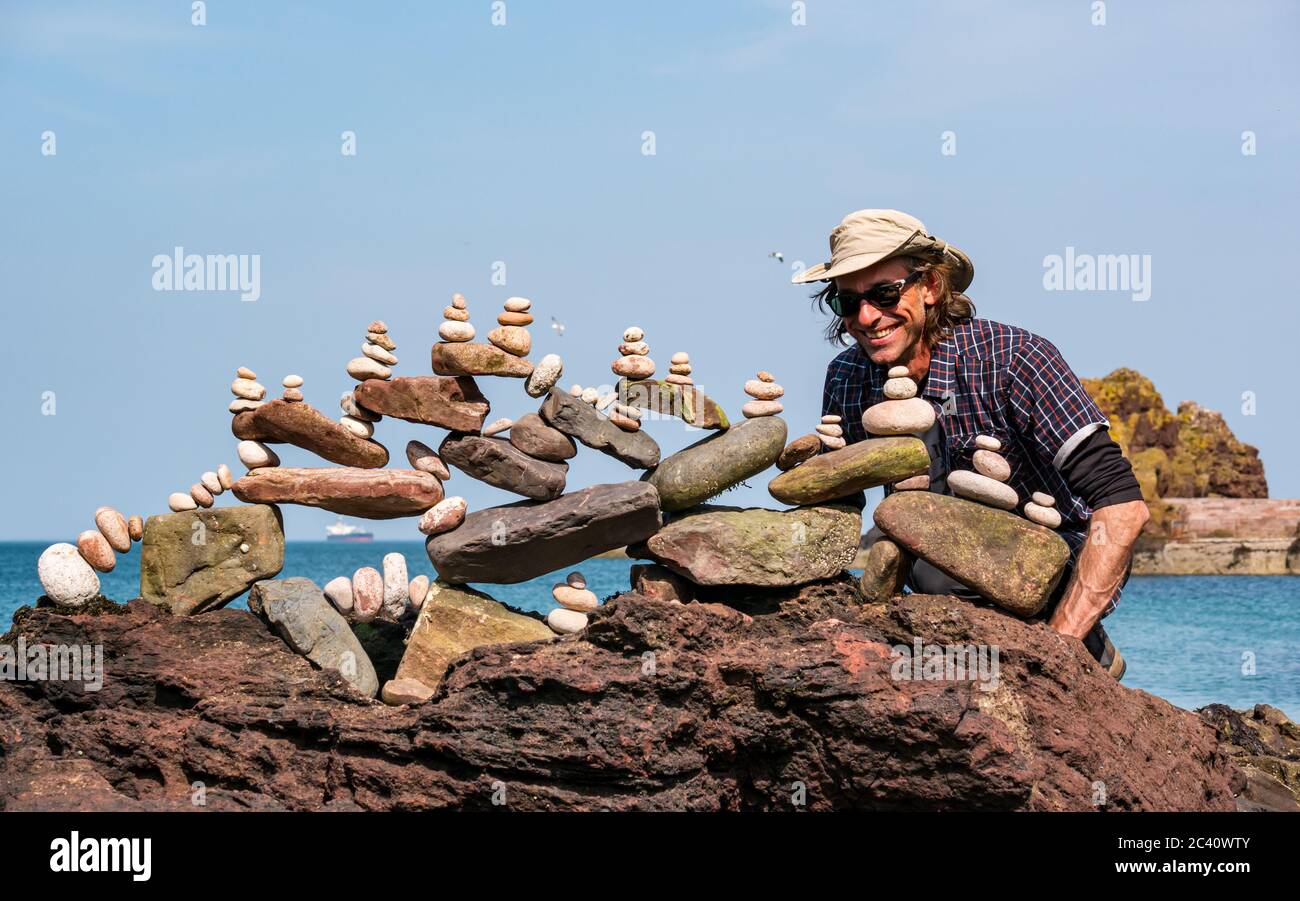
293	395
135	527
1043	500
545	375
255	454
634	348
897	372
915	483
497	426
805	447
512	339
348	404
517	305
884	571
456	332
900	389
362	368
179	502
401	692
245	373
866	464
292	381
680	368
755	409
605	400
458	301
576	579
96	551
67	578
718	462
834	442
455	315
580	599
623	421
992	464
534	437
976	487
239	405
374	352
339	593
675	378
988	443
381	340
634	368
1009	560
515	319
425	459
378	326
832	419
367	593
899	417
565	621
1044	516
397	585
112	525
681	358
359	427
202	496
247	389
830	428
225	477
632	333
443	516
212	483
760	390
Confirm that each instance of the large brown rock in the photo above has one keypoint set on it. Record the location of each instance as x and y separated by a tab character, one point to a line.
455	620
533	436
731	546
471	358
686	402
521	541
838	473
718	462
195	561
582	421
801	449
738	709
449	403
1007	559
499	463
367	493
300	424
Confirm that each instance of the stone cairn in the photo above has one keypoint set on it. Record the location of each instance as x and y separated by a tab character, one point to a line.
203	492
370	593
456	327
988	483
575	601
764	392
510	334
901	413
679	369
634	365
68	573
376	362
1041	508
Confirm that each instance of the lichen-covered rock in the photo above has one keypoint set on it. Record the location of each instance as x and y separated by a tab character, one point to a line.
718	462
196	561
837	473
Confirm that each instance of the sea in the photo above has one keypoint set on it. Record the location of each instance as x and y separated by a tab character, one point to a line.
1192	640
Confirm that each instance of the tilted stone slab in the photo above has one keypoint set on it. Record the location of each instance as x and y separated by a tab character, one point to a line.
518	542
1007	559
472	358
686	402
697	473
582	421
367	493
453	403
837	473
498	462
300	424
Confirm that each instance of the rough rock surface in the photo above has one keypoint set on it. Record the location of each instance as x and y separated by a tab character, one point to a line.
721	461
194	561
737	707
730	546
1266	745
686	402
302	425
518	542
477	359
444	401
499	463
533	436
384	494
581	421
863	464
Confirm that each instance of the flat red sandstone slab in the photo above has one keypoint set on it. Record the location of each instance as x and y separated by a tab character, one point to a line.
367	493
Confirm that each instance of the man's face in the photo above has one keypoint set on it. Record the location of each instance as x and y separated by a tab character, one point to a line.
892	336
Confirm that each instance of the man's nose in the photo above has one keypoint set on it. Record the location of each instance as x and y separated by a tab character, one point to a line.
868	316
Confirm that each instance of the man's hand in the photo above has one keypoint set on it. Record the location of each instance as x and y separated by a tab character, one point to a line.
1103	560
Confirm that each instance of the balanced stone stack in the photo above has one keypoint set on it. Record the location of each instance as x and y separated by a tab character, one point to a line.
679	369
456	327
903	413
765	393
987	485
633	364
248	393
292	388
1041	508
510	334
457	354
67	573
376	356
830	433
575	600
204	492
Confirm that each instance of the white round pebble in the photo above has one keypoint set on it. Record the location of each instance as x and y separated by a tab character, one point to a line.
456	332
832	419
1044	516
992	464
397	585
443	516
975	487
224	476
899	417
566	622
760	390
988	443
179	502
544	376
590	395
418	591
67	578
634	348
900	389
240	405
255	455
378	354
339	593
517	305
581	599
832	442
1043	500
830	428
212	483
247	389
362	368
359	427
632	333
292	381
245	373
681	358
756	408
897	372
458	301
244	548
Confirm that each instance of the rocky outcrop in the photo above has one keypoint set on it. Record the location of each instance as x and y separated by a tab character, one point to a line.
1266	745
655	706
296	610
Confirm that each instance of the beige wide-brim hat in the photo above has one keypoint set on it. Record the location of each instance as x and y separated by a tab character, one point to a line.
867	237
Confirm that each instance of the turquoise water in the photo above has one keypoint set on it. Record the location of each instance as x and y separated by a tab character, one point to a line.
1186	638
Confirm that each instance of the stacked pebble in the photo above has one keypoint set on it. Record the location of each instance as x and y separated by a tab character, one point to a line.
67	573
292	388
633	364
364	595
248	393
376	356
510	334
443	516
575	600
679	369
987	484
1042	510
456	327
903	413
255	455
497	426
831	432
544	375
764	390
209	485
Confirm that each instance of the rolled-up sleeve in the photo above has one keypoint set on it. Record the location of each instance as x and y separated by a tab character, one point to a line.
1048	403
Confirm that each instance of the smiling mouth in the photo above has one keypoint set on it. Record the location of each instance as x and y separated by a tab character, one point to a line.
881	334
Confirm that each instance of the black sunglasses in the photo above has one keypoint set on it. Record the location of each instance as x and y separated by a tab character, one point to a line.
882	297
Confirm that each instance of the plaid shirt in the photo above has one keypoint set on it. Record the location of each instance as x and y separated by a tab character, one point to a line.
989	379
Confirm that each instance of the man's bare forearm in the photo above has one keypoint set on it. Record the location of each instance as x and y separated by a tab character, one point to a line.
1103	560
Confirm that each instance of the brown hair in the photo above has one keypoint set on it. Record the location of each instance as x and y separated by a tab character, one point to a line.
948	311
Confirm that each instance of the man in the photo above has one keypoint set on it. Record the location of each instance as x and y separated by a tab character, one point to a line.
897	293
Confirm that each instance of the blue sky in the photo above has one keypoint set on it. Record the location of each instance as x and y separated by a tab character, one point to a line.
478	143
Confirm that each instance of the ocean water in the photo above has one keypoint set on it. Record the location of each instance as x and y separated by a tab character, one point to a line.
1193	640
